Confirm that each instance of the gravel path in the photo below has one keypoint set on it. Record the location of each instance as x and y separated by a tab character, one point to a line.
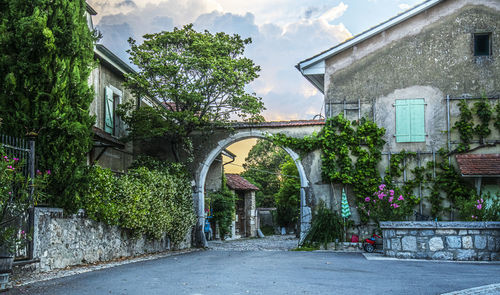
269	243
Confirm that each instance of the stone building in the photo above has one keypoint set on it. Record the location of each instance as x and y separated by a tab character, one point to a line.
109	149
246	214
408	75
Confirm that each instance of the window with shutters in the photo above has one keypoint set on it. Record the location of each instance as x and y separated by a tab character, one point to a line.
410	120
111	100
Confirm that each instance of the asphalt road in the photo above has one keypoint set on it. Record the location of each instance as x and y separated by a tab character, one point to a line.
272	272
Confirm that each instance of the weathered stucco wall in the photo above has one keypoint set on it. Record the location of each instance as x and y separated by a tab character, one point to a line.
433	49
60	242
442	240
428	56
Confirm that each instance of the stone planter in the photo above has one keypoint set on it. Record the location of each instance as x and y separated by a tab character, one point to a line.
442	240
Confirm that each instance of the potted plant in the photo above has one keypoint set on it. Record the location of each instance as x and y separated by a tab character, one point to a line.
14	203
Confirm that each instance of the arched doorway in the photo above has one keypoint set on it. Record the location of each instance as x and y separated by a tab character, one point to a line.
202	171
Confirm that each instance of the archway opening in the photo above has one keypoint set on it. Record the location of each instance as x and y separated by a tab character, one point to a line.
201	178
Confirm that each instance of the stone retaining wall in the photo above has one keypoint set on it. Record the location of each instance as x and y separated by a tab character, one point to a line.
64	241
442	240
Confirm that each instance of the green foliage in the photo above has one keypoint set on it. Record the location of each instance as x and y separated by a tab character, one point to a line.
388	204
326	227
46	56
146	201
350	152
484	112
465	127
203	78
288	197
262	166
223	204
497	119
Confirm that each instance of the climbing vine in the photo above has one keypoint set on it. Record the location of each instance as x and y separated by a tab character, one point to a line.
351	152
465	127
497	119
484	112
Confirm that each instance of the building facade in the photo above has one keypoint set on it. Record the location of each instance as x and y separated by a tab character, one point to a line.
411	73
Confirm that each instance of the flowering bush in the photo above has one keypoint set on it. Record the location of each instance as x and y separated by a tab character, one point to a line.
14	202
388	204
479	209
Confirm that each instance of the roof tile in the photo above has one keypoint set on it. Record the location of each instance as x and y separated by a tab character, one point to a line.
238	183
479	164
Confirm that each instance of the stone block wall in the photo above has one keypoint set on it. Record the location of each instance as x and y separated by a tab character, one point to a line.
65	241
442	240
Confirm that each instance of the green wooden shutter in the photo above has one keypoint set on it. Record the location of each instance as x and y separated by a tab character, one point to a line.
417	120
402	120
410	120
109	111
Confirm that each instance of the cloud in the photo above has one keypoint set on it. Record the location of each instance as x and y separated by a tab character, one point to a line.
277	46
404	6
334	12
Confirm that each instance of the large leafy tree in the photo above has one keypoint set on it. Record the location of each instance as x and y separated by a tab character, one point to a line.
46	56
262	168
198	77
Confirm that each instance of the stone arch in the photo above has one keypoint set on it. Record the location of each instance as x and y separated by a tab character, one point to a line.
202	171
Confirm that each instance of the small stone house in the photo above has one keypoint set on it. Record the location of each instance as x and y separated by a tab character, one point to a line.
409	74
246	213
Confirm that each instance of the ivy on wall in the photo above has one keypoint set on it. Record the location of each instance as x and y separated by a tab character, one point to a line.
352	152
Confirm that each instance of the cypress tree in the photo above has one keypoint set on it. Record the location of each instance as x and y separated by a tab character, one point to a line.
46	57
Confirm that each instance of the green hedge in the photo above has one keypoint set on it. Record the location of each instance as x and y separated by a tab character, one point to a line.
146	201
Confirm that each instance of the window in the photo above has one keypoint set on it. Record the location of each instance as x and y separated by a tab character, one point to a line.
111	100
482	44
410	120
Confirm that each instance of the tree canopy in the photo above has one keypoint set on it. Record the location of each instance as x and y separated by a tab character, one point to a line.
199	78
262	168
46	56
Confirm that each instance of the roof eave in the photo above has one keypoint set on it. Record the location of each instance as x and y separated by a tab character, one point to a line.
367	34
104	53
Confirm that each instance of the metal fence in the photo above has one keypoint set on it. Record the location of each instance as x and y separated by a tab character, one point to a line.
24	150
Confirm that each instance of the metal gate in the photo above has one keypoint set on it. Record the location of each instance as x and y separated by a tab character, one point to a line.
24	150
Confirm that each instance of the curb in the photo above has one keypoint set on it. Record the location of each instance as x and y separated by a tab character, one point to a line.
493	289
376	256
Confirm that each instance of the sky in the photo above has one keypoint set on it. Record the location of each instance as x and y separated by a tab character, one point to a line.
283	33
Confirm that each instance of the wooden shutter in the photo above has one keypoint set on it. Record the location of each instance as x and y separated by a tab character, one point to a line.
410	120
417	120
402	120
109	109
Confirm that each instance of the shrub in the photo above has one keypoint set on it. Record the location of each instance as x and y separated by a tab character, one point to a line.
223	206
388	204
326	227
145	201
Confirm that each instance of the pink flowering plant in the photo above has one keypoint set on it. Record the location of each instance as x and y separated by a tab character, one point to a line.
14	203
478	209
388	204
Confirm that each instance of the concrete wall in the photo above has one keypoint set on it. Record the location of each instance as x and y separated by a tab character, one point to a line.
214	176
60	242
442	240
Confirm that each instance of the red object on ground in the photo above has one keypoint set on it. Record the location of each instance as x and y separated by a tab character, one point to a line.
354	239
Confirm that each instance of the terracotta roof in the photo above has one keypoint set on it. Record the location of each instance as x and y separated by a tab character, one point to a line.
296	123
238	183
479	164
